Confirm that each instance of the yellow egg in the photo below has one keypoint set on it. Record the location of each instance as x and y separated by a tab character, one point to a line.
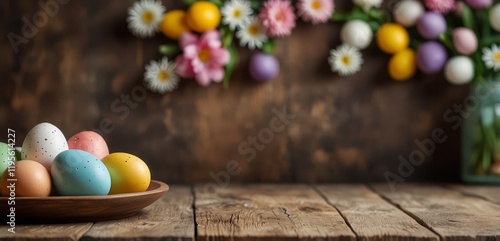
128	173
403	65
203	16
392	38
173	24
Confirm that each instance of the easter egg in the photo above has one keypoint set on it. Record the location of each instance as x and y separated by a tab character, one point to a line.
495	17
430	25
203	16
356	33
128	173
459	70
7	157
407	12
479	4
392	38
403	65
431	57
90	142
43	143
79	173
173	24
264	67
464	41
32	180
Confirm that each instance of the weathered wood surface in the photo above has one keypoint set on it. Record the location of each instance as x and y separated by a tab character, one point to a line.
48	232
293	212
490	193
270	212
346	128
371	217
447	212
170	218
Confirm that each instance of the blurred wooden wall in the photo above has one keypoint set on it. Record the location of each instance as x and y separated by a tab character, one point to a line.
346	129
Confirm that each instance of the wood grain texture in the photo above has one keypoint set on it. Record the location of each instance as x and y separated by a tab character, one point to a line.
267	212
45	232
371	217
170	218
447	212
82	66
490	193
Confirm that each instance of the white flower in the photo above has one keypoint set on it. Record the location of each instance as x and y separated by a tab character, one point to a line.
368	4
236	13
144	18
491	57
252	34
345	60
160	76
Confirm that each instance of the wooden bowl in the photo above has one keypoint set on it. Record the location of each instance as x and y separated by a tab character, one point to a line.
63	209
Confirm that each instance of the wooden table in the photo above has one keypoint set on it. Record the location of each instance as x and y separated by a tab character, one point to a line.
298	212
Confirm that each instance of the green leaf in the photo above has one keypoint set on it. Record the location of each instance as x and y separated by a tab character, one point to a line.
339	16
229	68
467	17
255	5
169	50
219	3
269	47
227	37
374	26
488	41
445	39
189	2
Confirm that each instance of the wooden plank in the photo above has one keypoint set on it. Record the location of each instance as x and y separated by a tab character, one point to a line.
267	212
170	218
449	213
57	232
490	193
372	218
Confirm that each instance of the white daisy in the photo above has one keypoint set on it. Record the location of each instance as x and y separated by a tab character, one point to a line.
345	60
491	57
253	34
144	18
366	5
236	13
160	76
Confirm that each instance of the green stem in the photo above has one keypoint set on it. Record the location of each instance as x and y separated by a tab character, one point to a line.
229	68
445	39
169	50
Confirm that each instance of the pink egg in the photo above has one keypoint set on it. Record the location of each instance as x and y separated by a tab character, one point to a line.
464	41
89	141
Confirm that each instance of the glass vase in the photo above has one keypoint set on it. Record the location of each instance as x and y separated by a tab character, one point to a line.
481	134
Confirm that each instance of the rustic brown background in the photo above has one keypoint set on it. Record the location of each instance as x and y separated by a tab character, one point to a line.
349	129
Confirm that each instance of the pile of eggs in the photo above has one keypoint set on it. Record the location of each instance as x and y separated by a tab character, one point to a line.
48	165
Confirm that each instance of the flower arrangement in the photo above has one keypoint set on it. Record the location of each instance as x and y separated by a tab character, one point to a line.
459	38
208	33
430	36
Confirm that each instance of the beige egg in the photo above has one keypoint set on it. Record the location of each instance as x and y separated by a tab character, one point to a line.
30	179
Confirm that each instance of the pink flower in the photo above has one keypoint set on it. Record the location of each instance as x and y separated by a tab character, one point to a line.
315	11
440	6
277	17
203	58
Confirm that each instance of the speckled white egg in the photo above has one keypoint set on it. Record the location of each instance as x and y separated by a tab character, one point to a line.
407	12
459	70
43	143
495	17
356	33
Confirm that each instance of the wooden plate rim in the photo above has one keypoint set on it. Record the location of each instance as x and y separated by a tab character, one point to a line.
162	187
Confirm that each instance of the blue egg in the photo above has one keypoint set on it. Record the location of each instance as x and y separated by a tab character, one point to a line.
79	173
